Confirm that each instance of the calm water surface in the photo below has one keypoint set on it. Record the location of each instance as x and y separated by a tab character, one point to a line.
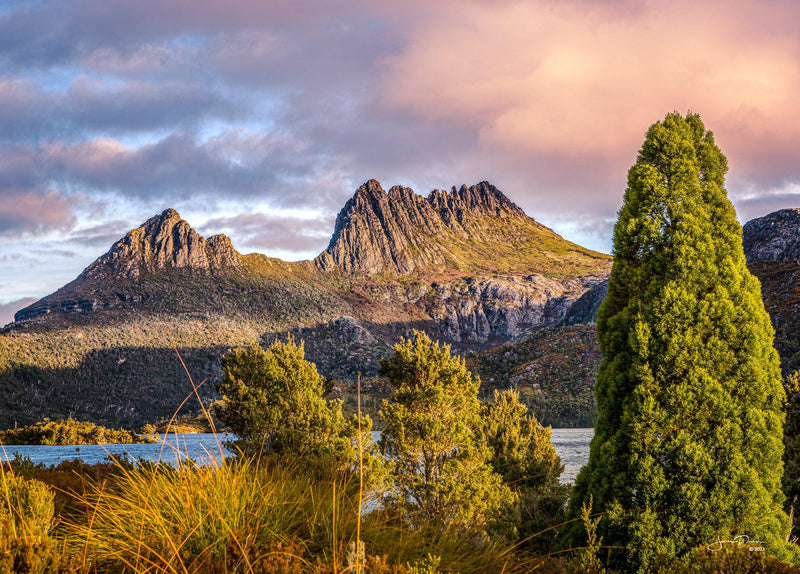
201	447
572	445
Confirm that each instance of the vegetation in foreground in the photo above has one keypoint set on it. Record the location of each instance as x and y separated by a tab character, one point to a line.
688	442
303	511
68	432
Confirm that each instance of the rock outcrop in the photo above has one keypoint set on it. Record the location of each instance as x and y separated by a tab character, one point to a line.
163	242
469	229
774	237
500	309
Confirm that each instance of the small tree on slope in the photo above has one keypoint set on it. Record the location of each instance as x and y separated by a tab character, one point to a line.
688	442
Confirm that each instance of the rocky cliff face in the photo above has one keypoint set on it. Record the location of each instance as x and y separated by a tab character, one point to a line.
500	309
163	242
774	237
470	229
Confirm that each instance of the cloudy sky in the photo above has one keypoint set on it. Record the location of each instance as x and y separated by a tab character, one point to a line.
260	118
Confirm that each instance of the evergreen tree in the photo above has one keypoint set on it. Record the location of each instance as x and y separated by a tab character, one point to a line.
439	463
791	452
273	400
688	442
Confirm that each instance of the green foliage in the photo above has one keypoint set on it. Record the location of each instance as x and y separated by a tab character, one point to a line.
66	432
791	450
432	440
522	452
428	565
588	557
264	516
524	456
26	507
26	519
67	480
273	400
687	445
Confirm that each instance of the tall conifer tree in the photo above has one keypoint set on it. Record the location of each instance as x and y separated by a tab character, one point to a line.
688	442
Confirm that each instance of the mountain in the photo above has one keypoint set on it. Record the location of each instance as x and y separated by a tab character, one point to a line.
772	248
468	266
164	242
471	229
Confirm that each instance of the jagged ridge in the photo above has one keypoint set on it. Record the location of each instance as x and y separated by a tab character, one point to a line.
162	242
470	229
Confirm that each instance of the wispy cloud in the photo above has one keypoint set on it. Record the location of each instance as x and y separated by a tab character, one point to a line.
264	231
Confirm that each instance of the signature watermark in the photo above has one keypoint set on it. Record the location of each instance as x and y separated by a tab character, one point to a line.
739	541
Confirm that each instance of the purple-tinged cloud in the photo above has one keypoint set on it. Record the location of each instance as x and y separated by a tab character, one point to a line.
235	164
266	232
29	213
100	236
30	112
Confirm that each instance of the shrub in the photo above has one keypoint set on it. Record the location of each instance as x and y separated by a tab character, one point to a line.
274	402
438	459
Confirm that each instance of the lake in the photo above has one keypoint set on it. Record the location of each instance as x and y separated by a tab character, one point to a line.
572	445
201	447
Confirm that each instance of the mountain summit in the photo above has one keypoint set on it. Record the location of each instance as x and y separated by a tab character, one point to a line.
163	242
469	229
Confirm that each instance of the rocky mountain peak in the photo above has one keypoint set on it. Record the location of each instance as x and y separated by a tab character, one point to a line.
162	242
401	232
774	237
483	198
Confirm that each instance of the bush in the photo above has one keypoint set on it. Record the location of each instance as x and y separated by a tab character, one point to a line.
438	459
67	432
523	454
274	402
26	519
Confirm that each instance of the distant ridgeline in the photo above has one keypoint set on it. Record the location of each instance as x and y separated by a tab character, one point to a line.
468	266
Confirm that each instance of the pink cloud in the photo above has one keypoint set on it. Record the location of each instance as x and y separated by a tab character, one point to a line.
30	212
583	81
